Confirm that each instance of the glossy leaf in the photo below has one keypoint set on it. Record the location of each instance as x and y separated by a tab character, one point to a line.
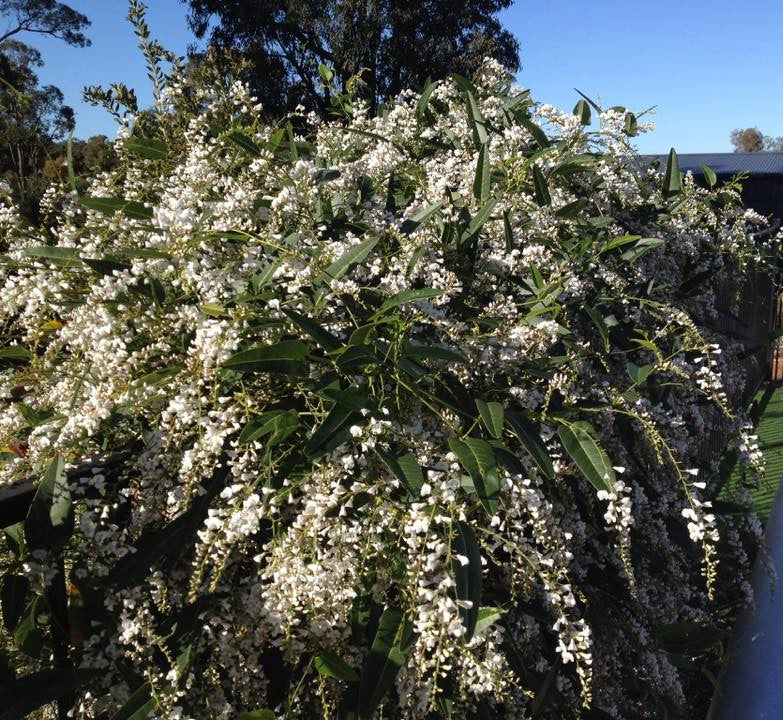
487	616
350	258
477	458
245	143
466	564
130	208
582	111
580	441
527	434
672	180
639	374
481	183
315	330
642	247
389	652
405	468
709	175
148	148
330	664
15	352
540	187
49	522
412	223
407	296
14	594
492	417
286	357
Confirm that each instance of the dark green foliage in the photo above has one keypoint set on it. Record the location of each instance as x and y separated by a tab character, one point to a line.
393	45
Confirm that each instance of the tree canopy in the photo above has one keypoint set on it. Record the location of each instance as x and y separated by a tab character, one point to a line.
750	140
393	44
45	17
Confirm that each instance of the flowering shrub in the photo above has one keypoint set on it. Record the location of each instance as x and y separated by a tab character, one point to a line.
389	416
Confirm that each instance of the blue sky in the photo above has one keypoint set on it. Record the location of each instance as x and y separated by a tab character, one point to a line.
708	65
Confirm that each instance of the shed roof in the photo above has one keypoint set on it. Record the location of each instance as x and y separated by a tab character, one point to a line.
760	163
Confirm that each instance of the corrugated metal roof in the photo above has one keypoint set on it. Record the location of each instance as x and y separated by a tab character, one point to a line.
760	163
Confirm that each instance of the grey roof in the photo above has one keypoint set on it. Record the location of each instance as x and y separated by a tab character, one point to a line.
760	163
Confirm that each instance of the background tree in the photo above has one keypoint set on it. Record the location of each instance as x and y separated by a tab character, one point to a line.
44	17
32	117
394	43
749	140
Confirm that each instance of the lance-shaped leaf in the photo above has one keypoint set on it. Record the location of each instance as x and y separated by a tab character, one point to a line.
277	423
477	458
672	180
535	130
405	468
540	187
407	296
580	441
482	179
413	222
286	357
642	247
582	111
390	649
424	98
492	416
639	373
527	434
57	255
329	664
25	694
130	208
15	352
598	320
245	143
478	220
466	564
475	118
432	352
14	599
350	258
49	522
333	430
148	148
321	335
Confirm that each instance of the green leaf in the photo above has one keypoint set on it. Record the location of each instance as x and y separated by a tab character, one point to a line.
323	337
351	257
15	352
582	110
639	374
487	616
325	73
593	105
14	599
541	188
620	241
407	296
492	417
28	637
508	233
138	706
600	325
287	357
580	442
478	221
468	576
30	692
482	179
245	143
424	98
642	247
333	430
130	208
477	458
527	434
672	180
432	352
709	175
49	520
390	649
535	130
572	209
278	423
63	256
147	148
256	715
329	664
631	126
413	222
405	468
106	265
475	118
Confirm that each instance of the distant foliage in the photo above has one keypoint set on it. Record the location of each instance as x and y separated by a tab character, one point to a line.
397	415
751	140
390	45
